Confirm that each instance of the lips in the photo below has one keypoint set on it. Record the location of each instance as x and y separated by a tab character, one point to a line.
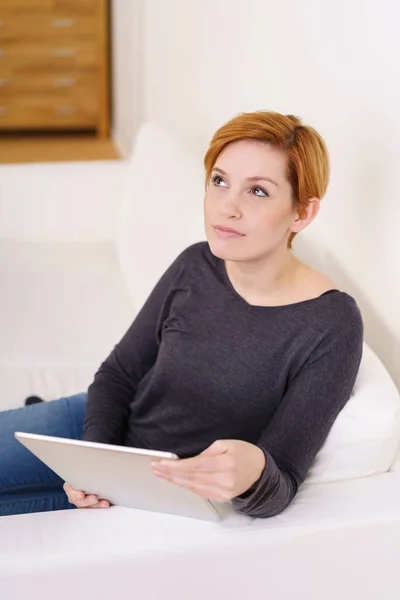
227	232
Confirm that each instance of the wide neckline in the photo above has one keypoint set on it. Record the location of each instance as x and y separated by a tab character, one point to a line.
222	269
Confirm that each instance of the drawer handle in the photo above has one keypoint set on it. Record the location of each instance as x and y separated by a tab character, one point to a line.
66	111
64	81
58	23
1	22
64	52
3	81
2	52
3	111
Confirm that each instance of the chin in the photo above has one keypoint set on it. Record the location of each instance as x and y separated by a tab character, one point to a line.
228	250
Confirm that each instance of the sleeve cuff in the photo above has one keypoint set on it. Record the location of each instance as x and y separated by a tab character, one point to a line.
269	495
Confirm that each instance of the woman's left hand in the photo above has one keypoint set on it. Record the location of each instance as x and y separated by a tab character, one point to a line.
226	469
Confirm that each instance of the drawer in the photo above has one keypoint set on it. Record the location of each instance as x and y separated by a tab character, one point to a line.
47	55
50	112
45	83
76	5
25	4
45	24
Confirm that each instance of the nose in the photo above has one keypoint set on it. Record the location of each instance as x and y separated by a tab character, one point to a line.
230	205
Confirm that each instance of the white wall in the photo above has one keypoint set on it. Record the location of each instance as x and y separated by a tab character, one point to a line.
127	75
60	201
336	65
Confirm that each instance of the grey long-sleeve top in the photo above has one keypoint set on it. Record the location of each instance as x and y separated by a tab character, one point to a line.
199	364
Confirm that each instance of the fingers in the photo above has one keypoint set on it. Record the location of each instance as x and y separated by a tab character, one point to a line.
211	460
89	501
214	485
196	469
81	500
210	475
206	491
99	504
74	496
197	464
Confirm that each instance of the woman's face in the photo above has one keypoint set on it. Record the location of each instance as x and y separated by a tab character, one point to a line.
248	207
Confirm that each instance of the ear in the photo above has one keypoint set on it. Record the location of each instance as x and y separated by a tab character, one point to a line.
307	216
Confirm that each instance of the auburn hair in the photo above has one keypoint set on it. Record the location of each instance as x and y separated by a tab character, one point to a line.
307	155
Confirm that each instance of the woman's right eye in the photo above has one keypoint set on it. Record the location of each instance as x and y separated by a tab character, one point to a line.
218	181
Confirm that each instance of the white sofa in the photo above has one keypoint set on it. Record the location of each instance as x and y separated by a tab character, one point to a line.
63	308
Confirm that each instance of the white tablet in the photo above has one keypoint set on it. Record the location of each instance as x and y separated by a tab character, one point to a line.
121	475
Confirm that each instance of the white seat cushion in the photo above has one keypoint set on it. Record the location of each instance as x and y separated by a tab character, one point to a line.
164	203
63	307
337	541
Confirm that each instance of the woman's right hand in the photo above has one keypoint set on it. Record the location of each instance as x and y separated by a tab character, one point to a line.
84	501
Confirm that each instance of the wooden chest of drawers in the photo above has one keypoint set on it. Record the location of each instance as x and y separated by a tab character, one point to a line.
54	65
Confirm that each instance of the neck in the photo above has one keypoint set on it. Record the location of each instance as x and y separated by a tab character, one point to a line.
265	277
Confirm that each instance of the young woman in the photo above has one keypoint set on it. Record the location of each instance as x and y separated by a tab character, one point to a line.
241	358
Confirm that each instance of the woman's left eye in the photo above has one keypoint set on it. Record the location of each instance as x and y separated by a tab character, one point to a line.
258	191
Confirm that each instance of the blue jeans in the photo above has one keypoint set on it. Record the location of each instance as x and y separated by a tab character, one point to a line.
26	484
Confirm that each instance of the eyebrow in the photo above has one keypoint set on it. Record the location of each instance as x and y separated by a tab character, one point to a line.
255	178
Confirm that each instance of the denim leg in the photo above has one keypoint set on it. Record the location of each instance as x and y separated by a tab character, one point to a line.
27	484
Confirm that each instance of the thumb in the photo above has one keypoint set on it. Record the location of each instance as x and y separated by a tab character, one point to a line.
218	447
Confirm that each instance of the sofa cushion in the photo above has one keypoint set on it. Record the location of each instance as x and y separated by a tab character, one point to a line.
63	308
162	209
350	528
365	437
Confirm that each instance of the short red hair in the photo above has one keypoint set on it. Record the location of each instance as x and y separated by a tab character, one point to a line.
307	155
